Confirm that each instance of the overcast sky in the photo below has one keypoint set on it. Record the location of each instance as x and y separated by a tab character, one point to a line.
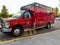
13	6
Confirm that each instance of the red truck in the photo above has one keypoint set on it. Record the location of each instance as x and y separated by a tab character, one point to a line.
31	16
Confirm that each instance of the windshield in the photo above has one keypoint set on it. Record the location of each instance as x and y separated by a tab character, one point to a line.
19	14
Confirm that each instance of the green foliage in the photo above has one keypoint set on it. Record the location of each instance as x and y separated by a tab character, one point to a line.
10	15
4	12
56	11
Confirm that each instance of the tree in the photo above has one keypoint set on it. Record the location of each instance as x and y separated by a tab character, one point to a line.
4	12
10	15
56	11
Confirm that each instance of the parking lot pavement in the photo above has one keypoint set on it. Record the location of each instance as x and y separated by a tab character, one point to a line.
51	38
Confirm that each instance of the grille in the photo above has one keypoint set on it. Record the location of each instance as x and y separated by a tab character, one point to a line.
2	23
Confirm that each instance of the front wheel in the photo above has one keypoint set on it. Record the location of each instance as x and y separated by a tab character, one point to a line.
17	31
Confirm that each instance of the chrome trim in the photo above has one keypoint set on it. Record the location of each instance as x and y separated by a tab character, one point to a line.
6	29
16	32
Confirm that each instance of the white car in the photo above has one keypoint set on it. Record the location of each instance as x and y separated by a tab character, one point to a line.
58	18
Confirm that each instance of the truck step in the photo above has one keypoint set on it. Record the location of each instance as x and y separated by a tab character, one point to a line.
29	32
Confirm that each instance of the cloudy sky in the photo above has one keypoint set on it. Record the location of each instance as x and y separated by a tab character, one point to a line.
13	6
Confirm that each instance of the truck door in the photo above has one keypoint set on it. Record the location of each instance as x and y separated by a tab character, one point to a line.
27	19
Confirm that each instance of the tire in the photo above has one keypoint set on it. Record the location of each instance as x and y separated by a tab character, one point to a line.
48	26
16	32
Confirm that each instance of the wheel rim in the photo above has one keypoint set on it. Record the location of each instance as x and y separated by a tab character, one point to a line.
17	32
48	25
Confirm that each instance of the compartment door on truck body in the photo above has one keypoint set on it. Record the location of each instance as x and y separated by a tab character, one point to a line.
39	17
48	16
42	15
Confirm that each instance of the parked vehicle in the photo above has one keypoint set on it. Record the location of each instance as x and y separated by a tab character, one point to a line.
31	16
57	18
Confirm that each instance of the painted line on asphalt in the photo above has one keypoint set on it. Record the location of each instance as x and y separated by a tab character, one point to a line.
18	38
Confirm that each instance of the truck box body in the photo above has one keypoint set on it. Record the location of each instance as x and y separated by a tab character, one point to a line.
41	13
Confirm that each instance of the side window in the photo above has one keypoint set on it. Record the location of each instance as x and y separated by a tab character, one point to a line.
27	15
48	11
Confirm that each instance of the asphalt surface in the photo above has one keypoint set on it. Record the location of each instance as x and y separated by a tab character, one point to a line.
46	37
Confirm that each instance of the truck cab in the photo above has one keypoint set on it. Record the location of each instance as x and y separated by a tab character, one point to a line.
31	16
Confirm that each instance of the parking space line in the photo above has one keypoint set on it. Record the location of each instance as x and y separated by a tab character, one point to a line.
18	38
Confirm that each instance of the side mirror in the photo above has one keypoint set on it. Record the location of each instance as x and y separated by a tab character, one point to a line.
23	17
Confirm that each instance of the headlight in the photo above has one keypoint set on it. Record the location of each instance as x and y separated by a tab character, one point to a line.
7	24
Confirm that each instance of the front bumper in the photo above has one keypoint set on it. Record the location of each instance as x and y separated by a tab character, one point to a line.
6	29
2	26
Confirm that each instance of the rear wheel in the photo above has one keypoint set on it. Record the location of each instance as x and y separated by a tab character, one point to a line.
48	25
17	31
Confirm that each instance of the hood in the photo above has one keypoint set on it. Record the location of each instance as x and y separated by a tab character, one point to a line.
9	19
